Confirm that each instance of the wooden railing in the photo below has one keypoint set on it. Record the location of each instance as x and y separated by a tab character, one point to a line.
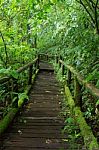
78	84
46	57
72	74
73	77
77	92
12	84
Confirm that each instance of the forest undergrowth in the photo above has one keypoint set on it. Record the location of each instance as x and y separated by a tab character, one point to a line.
66	28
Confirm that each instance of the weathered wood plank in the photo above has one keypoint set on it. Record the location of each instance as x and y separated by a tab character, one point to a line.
40	124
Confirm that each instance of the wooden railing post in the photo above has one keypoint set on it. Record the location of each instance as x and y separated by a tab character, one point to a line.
47	57
63	69
61	57
39	56
56	57
77	93
30	74
68	78
15	89
59	63
38	61
34	67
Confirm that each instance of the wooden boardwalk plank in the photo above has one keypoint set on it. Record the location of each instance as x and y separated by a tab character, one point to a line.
39	126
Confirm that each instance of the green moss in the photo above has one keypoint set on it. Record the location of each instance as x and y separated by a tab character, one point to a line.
69	98
94	145
7	119
11	114
89	140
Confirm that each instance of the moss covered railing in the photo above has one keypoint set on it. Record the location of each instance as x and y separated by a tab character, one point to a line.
75	100
32	70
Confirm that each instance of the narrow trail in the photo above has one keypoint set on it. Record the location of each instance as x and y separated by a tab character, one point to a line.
40	125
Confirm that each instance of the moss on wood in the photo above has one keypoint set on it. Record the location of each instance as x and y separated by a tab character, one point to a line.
11	114
89	140
7	119
92	89
69	98
5	122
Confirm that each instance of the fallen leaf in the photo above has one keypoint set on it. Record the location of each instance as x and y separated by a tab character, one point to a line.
20	132
48	141
48	91
25	121
65	140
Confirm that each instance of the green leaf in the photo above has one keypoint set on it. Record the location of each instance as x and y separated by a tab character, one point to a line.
69	120
14	74
97	103
89	77
97	84
5	71
23	96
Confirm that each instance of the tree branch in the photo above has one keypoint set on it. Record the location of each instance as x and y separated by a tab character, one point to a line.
5	48
2	59
96	17
87	11
91	7
93	4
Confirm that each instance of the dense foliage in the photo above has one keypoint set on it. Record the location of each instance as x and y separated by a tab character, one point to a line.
71	33
69	28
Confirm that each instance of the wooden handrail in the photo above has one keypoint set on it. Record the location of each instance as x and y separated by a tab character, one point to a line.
94	91
27	66
31	69
46	55
21	69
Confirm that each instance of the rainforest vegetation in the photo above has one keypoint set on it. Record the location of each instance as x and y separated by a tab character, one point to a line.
67	28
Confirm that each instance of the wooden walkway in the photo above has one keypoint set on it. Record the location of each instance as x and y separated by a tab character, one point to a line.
39	125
